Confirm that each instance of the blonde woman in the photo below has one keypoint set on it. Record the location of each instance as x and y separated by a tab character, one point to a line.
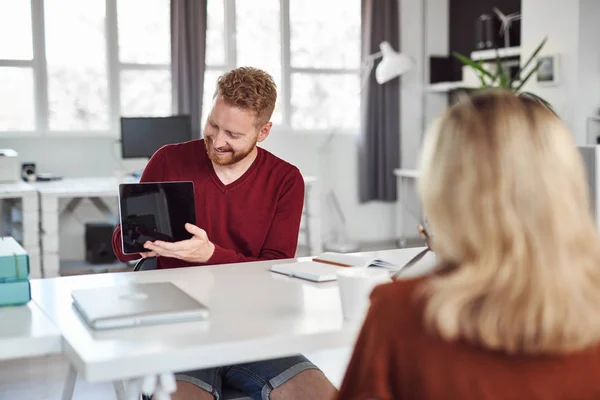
514	310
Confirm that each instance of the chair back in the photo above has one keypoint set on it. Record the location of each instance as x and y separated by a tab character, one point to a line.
145	264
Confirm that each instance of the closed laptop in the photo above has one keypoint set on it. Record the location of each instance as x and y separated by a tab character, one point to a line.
136	304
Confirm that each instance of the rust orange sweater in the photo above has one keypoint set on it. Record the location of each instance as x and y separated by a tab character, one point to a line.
396	358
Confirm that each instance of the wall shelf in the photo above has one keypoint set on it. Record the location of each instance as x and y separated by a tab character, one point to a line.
490	54
444	87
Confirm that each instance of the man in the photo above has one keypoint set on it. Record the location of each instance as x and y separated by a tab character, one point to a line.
248	208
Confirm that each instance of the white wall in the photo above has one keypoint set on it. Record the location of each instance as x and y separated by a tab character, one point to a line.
424	31
557	19
573	30
588	92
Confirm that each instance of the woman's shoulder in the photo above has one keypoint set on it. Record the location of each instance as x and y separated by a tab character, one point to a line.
402	299
398	290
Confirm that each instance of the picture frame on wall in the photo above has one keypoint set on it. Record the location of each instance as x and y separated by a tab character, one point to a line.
548	70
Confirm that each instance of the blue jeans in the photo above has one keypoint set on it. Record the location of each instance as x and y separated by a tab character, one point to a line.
256	379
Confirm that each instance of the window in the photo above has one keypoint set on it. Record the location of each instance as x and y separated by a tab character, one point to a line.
144	57
76	66
314	57
325	58
16	67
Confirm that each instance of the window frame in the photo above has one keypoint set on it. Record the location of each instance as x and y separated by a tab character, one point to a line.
115	66
39	69
287	70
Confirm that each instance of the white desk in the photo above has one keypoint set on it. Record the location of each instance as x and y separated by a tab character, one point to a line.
404	177
20	219
94	189
26	332
255	315
98	189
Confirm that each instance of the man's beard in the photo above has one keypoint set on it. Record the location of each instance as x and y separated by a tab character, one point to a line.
227	156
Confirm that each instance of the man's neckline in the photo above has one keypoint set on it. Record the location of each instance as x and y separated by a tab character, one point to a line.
238	181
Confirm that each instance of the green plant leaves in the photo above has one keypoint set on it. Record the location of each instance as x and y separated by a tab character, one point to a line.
531	58
501	78
476	66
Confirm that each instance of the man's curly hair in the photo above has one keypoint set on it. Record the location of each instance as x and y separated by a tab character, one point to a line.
250	89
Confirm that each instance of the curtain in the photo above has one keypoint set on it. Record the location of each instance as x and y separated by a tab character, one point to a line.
188	56
379	139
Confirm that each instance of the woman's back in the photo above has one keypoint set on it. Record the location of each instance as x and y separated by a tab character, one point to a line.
396	357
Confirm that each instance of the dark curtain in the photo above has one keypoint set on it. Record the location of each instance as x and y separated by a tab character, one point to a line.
188	55
379	140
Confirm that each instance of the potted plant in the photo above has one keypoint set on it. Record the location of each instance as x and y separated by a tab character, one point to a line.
502	78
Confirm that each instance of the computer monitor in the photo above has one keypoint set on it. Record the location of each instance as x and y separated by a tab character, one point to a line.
141	137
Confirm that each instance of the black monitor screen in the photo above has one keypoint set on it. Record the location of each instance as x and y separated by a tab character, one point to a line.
141	137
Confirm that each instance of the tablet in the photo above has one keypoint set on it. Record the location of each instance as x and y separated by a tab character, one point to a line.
155	211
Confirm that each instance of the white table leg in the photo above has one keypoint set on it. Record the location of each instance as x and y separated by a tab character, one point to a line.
50	235
104	209
69	209
69	387
402	212
31	233
120	390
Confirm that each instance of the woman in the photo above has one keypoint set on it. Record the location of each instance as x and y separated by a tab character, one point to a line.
513	312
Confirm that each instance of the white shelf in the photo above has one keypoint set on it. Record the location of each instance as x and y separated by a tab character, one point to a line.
491	54
443	87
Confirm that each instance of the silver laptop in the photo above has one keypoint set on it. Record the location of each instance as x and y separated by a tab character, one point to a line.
136	304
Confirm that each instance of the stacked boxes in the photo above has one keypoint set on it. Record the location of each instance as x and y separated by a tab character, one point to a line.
14	273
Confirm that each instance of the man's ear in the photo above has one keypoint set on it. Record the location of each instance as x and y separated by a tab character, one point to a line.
264	131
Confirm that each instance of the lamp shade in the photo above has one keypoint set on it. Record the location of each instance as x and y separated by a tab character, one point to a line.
392	65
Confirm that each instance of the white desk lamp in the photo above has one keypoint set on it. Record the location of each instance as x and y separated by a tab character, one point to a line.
392	65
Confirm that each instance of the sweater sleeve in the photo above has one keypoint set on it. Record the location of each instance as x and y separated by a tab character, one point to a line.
371	366
154	172
282	239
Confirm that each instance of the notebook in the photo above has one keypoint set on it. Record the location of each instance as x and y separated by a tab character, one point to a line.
324	267
136	304
353	260
309	270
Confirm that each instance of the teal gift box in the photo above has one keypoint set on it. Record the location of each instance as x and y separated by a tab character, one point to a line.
14	261
15	293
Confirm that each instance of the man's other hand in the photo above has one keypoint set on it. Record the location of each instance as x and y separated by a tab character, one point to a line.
198	249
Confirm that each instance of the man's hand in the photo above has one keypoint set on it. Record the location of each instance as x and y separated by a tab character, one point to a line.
198	249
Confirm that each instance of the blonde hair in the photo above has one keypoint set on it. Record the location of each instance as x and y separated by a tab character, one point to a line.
249	89
504	190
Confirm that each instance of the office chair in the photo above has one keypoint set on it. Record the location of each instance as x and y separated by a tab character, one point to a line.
229	393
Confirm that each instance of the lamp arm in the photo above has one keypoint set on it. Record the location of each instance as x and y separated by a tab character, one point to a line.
374	56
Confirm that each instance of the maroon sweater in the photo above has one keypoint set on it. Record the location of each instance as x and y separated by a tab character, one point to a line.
256	217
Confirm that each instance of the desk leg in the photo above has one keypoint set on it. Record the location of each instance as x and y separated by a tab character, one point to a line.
104	209
69	209
120	390
69	387
50	218
401	240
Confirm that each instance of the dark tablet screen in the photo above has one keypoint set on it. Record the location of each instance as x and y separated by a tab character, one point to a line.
155	211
